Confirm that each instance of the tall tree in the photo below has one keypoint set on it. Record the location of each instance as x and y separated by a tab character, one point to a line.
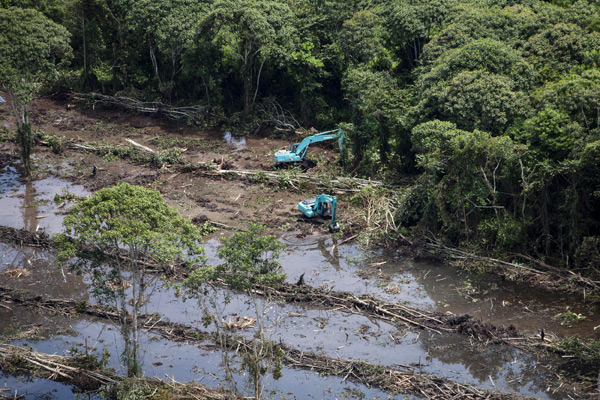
250	34
32	48
113	236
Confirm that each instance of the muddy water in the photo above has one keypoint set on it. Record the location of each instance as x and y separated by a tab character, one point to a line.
21	387
187	363
436	287
36	271
336	333
31	205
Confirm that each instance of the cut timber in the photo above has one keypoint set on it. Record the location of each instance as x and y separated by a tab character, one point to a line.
141	146
82	147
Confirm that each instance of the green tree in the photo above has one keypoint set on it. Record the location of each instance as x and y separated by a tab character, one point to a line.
481	100
167	27
411	24
250	34
469	184
113	236
557	49
578	95
378	104
32	48
251	262
551	133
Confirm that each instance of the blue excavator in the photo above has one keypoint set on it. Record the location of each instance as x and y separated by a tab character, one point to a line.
323	205
297	151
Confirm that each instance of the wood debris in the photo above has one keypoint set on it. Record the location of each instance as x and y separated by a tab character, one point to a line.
17	273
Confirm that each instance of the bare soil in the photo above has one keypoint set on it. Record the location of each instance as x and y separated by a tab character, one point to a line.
227	202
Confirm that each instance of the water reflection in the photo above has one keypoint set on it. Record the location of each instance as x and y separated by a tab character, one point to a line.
189	363
30	388
31	205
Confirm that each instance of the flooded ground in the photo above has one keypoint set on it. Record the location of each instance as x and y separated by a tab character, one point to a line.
338	334
32	205
437	287
320	259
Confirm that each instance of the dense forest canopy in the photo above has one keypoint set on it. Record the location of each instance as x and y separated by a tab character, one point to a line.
490	109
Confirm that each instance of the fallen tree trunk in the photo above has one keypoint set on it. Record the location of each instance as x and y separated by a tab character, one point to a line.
386	379
140	146
553	279
80	371
197	114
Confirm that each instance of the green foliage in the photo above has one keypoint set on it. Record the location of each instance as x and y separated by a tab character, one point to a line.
129	389
172	156
130	216
248	34
464	175
259	178
251	259
555	50
551	133
65	195
111	152
577	96
111	237
427	92
32	48
55	142
586	349
569	317
285	177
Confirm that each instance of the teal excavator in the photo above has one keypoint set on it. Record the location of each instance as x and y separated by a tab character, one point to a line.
297	151
323	205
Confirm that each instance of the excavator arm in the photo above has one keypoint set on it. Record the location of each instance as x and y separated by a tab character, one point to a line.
297	151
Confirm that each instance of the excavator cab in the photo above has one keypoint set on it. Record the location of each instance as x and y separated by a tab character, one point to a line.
323	205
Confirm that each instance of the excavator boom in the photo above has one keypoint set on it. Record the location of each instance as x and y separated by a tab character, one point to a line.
298	150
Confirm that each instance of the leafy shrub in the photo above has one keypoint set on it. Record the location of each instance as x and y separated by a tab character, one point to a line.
170	156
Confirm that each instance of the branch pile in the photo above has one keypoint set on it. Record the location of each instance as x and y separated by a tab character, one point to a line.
195	114
550	278
78	370
338	185
24	237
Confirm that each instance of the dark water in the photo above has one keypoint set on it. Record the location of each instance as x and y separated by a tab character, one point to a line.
337	333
